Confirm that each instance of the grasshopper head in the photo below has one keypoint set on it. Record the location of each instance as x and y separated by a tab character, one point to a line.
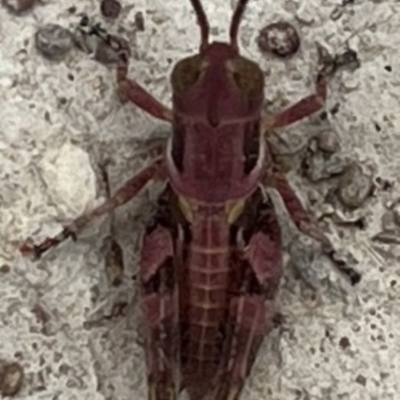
217	84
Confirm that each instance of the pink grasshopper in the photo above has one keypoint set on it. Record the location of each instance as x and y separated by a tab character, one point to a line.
211	260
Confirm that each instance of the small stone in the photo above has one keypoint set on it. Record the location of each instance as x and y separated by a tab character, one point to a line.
354	188
139	21
349	59
361	380
71	181
11	377
344	343
388	220
327	142
5	269
110	8
280	39
53	41
42	316
303	254
18	6
315	273
317	166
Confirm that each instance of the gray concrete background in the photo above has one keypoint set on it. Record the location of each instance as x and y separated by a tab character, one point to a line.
336	342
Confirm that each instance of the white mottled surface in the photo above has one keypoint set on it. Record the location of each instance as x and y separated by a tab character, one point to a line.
48	153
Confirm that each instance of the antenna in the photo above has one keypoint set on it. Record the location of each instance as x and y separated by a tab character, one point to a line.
235	22
202	21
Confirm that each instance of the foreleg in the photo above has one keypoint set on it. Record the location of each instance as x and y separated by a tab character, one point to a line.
132	91
310	104
122	196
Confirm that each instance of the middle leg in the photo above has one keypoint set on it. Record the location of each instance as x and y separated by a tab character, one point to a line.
122	196
132	91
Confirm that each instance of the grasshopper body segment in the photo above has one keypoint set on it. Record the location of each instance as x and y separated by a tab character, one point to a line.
211	258
217	100
208	294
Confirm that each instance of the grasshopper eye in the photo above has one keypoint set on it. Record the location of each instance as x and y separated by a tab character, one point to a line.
186	73
247	75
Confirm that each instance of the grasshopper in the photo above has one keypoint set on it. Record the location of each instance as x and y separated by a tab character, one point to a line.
211	257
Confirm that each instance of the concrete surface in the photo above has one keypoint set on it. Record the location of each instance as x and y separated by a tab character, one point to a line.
336	342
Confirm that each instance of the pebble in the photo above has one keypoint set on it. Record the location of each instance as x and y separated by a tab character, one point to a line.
53	41
18	6
355	187
327	141
110	8
314	271
11	377
317	166
280	39
139	21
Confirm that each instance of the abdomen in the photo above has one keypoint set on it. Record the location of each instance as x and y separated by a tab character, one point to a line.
204	299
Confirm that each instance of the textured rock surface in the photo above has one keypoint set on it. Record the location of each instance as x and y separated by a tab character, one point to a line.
57	120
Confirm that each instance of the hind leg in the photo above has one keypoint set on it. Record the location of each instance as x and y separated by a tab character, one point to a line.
160	309
306	225
252	312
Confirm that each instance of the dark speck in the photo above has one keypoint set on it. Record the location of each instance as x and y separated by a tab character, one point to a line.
388	68
360	223
5	269
335	109
110	8
344	343
139	21
361	380
323	116
62	101
383	183
377	127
